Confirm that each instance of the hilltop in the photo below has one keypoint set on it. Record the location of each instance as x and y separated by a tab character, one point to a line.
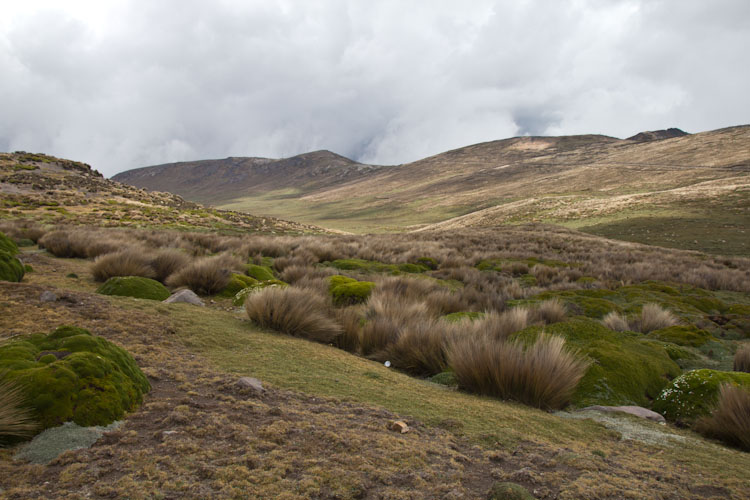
54	190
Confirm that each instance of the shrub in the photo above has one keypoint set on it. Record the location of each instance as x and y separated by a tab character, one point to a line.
542	374
205	276
134	286
260	273
129	262
730	421
166	262
420	348
347	291
8	245
653	317
294	312
11	269
237	283
616	322
73	375
16	419
742	359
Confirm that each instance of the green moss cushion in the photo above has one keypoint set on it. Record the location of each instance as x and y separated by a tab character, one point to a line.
236	283
8	245
694	394
134	286
682	335
11	268
73	375
347	291
260	273
239	297
626	369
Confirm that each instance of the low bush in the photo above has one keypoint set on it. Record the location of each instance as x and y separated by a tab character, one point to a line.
11	269
541	374
167	262
730	421
16	418
134	286
129	262
8	245
347	291
294	312
205	276
742	359
260	273
73	375
237	282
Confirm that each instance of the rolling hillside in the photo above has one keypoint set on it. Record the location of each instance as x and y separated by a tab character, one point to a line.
686	191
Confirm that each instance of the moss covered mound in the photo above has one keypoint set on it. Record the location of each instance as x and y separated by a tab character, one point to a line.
682	335
8	245
694	394
626	369
73	375
260	273
371	266
134	286
237	283
11	269
347	291
239	297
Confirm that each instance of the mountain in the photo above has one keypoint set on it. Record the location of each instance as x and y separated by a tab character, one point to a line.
657	135
689	191
56	190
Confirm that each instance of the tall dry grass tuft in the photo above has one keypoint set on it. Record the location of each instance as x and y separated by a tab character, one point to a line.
292	311
542	374
205	276
420	348
168	261
16	421
386	315
730	422
128	262
742	359
500	326
351	319
616	322
654	317
549	311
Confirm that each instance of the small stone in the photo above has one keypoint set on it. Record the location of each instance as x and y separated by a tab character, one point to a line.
185	295
251	383
398	426
48	296
638	411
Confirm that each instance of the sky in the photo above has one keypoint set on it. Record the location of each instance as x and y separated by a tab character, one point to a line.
122	84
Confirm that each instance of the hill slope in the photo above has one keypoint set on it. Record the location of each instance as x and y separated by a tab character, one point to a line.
51	189
686	191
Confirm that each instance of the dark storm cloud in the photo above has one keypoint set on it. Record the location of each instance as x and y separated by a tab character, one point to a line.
132	83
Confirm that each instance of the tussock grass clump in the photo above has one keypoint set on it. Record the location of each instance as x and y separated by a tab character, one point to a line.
16	420
542	374
616	322
205	276
654	317
420	348
129	262
730	421
293	311
166	262
549	311
501	325
742	359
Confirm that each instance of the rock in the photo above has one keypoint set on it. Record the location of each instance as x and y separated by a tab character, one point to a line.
509	491
638	411
48	296
185	295
46	446
398	426
251	383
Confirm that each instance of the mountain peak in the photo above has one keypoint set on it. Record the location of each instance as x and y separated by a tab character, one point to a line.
657	135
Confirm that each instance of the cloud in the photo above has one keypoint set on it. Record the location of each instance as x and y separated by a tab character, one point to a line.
132	83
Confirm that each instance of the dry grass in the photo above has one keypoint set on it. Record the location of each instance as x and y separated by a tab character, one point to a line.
543	374
350	319
742	359
500	326
168	261
128	262
205	276
15	419
549	311
293	311
615	321
420	348
654	317
730	422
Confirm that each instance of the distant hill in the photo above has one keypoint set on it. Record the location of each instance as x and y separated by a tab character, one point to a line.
63	191
666	187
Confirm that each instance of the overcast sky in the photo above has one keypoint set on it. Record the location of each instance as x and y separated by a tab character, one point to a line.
129	83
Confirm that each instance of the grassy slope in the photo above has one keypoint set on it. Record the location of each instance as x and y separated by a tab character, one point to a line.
599	465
